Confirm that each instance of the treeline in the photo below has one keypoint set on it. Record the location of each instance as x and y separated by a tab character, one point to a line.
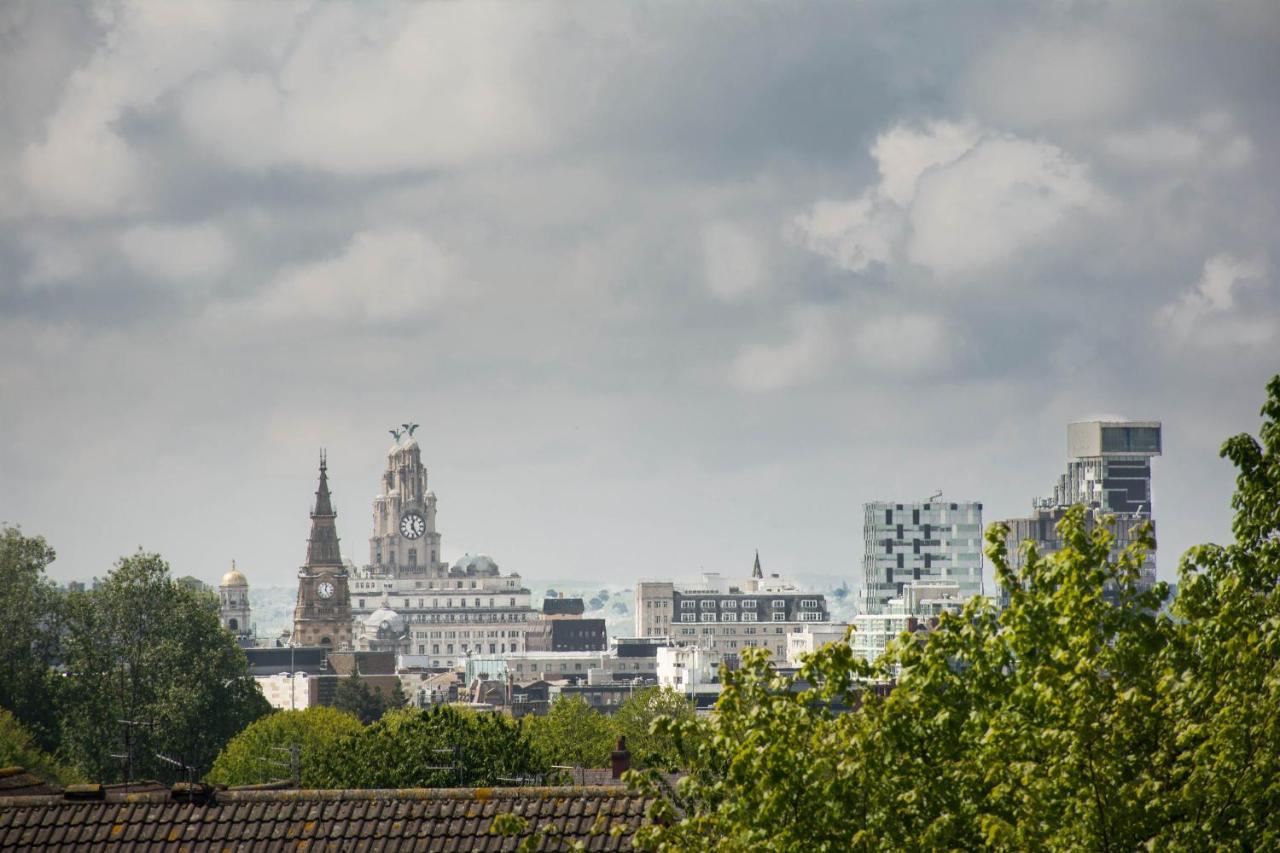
133	677
447	746
1066	722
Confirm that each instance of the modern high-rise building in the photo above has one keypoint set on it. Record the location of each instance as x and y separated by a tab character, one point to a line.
932	541
1109	471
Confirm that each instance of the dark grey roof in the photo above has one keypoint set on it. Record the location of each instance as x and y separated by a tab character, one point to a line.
563	606
601	818
273	660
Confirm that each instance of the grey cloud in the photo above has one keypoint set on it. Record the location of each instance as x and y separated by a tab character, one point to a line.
551	287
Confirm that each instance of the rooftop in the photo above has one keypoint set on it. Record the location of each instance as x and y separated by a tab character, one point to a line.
186	817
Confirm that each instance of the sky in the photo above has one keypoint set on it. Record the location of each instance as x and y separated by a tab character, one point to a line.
663	283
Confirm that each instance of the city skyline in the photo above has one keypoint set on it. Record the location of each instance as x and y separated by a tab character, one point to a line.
661	285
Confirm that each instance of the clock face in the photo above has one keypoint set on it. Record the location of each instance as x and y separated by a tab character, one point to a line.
412	525
325	590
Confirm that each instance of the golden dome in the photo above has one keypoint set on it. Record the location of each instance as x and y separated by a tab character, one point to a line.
234	577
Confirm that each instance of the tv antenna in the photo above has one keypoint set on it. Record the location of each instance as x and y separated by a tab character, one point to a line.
127	755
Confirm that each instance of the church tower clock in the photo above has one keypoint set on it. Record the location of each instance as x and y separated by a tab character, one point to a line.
322	616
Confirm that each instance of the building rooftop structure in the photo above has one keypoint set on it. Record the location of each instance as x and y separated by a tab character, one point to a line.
199	817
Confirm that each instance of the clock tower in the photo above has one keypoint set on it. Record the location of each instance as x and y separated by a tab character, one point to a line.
322	616
405	542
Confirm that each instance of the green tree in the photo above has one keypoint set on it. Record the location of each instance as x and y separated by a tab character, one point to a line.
1072	720
397	699
572	733
438	748
636	718
255	755
30	621
144	649
18	748
354	696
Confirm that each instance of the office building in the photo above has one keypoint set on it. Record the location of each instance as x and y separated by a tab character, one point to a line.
933	541
1109	471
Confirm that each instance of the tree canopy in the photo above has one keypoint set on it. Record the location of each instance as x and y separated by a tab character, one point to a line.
574	734
260	753
30	620
144	649
356	697
1067	721
442	747
18	748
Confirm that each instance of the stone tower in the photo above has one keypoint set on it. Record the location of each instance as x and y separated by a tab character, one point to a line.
233	603
322	616
405	542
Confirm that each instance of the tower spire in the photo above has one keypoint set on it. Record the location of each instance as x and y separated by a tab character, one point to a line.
322	546
755	570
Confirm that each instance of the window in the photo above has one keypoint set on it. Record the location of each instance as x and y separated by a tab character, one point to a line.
729	604
778	602
708	604
811	616
688	604
361	605
748	602
728	617
708	617
513	602
435	648
779	617
688	617
808	602
748	617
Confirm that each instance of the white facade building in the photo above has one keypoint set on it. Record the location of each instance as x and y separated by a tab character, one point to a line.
233	604
812	638
288	691
689	669
917	609
726	616
933	541
449	611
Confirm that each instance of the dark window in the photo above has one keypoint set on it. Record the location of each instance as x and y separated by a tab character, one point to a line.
888	516
926	531
888	546
915	516
899	531
915	546
900	564
954	506
1131	439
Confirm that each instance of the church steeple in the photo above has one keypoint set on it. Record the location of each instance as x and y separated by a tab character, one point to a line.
755	570
322	546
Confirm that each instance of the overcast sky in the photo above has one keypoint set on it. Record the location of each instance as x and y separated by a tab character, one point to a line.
663	283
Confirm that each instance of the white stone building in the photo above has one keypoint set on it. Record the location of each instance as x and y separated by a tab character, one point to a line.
725	616
233	604
812	638
916	610
689	669
449	611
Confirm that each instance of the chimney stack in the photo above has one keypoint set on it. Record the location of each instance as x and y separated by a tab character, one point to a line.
620	759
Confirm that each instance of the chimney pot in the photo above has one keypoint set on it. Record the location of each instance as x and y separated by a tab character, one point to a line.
620	759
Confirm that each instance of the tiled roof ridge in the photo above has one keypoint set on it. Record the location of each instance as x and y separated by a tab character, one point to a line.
261	795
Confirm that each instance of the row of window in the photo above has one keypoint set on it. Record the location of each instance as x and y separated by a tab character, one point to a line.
804	616
732	603
731	632
466	635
